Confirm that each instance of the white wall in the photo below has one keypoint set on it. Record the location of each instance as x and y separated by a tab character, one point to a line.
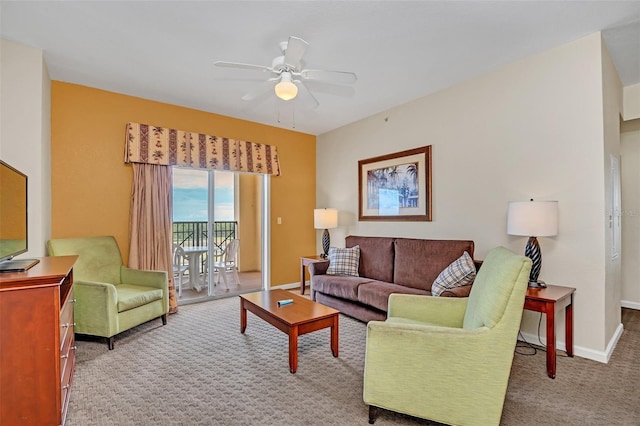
630	153
631	102
25	132
532	129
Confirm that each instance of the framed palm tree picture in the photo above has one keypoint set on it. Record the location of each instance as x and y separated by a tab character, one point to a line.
396	187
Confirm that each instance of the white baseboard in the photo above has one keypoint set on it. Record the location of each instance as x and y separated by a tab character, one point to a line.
288	286
582	352
630	305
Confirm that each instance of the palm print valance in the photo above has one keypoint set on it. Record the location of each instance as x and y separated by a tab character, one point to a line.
170	147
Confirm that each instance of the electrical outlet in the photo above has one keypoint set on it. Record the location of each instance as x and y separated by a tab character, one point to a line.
279	220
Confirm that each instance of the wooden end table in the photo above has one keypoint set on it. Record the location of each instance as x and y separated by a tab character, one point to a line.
305	261
300	317
544	300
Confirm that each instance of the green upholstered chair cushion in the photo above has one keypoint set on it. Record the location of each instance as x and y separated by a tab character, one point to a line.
99	257
492	288
131	296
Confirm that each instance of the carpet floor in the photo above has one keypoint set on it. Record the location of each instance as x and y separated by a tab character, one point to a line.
200	370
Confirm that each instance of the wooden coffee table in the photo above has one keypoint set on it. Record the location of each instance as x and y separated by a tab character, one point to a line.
300	317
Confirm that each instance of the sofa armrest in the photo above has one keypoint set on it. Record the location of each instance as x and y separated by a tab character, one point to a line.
318	268
96	308
444	311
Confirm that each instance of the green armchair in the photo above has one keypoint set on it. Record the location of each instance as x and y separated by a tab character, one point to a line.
448	359
111	298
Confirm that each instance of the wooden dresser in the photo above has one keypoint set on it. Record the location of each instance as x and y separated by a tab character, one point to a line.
37	346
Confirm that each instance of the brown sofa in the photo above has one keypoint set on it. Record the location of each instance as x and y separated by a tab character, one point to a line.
387	265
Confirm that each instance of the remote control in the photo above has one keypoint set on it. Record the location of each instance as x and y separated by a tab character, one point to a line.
285	302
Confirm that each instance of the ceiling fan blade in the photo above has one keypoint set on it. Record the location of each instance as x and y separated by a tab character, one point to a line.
343	90
239	65
307	96
295	49
342	77
259	93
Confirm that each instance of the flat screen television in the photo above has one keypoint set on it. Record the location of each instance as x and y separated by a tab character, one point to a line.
13	219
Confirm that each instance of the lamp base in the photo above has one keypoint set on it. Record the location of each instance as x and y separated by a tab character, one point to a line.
326	243
537	284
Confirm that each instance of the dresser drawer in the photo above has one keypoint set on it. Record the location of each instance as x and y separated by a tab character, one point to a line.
67	357
66	320
67	367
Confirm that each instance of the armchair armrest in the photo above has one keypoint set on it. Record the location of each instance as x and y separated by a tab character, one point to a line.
402	360
96	308
318	268
155	279
444	311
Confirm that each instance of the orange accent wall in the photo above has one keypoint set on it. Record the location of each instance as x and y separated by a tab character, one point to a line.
91	184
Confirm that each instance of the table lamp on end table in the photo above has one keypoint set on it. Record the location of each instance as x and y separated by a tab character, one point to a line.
533	219
325	219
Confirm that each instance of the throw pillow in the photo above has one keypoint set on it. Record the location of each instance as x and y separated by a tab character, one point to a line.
461	272
344	261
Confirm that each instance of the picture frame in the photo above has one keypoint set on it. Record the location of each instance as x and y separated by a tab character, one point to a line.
396	187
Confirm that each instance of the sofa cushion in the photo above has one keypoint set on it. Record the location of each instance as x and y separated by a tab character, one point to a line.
344	261
131	296
419	262
376	293
376	256
344	287
459	273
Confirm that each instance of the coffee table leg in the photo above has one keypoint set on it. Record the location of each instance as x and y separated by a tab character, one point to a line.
334	336
293	349
243	316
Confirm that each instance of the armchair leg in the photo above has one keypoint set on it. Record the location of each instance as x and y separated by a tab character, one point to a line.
373	411
164	319
110	341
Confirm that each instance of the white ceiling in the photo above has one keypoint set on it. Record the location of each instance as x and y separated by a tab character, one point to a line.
400	50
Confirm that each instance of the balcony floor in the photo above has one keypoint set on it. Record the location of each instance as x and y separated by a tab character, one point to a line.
249	281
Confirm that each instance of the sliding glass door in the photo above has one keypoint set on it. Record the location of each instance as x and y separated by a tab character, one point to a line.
216	233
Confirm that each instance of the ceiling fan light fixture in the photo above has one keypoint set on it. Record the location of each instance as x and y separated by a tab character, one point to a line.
286	89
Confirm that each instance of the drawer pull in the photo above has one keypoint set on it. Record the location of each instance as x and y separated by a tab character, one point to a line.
73	300
73	348
67	325
65	356
65	387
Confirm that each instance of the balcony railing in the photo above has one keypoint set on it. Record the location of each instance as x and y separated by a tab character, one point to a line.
189	234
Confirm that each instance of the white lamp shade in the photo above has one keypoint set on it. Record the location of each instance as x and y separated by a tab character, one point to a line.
325	218
533	218
286	89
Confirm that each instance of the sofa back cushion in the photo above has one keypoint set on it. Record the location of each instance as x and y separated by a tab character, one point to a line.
376	256
418	262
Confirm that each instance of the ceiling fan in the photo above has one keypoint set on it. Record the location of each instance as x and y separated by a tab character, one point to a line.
288	75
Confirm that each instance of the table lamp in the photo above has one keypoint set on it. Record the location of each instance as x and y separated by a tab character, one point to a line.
533	219
325	219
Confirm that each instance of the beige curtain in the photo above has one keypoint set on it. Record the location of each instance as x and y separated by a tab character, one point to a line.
151	224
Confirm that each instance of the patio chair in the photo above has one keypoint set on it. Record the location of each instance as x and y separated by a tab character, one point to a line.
228	263
180	266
